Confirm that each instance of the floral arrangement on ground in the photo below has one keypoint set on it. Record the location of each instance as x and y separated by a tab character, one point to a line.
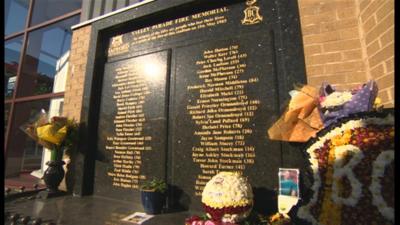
253	219
353	171
228	200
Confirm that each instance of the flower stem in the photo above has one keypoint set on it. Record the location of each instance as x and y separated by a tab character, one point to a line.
54	156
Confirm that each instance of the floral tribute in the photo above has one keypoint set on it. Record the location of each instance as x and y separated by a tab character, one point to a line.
55	133
227	199
339	104
253	219
353	170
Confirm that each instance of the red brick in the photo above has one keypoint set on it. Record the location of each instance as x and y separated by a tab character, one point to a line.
309	4
371	9
338	24
389	66
391	92
380	28
308	11
342	45
377	71
310	29
385	81
315	19
349	33
344	67
352	54
333	79
384	10
75	78
347	23
382	55
369	24
320	38
327	6
328	26
315	70
384	95
356	77
312	49
364	4
373	48
323	58
344	13
390	104
388	37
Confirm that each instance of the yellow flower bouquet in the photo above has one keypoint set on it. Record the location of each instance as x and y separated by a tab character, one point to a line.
56	134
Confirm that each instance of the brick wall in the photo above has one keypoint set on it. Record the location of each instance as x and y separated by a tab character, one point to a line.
75	79
347	42
377	21
74	89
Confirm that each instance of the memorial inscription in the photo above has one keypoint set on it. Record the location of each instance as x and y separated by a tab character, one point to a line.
129	140
221	114
224	97
181	25
134	92
168	29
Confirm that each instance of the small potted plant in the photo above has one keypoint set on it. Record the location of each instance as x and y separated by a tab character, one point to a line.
153	195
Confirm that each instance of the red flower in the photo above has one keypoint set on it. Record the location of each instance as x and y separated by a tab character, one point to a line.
191	219
217	214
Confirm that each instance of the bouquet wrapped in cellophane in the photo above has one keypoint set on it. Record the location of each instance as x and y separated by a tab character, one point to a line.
336	104
301	120
51	134
310	110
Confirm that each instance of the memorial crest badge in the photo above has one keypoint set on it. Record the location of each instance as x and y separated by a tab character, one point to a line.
116	41
117	46
251	13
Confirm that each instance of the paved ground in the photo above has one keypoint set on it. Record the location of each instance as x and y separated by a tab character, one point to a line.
89	210
24	179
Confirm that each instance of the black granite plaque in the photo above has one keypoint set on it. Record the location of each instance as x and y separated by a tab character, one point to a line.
132	127
224	72
225	97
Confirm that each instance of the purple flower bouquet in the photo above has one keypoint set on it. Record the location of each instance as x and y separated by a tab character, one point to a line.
338	104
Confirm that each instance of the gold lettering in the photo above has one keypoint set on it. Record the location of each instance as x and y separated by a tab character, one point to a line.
222	113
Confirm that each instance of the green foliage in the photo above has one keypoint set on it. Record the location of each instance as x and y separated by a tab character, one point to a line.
255	219
71	138
154	185
204	217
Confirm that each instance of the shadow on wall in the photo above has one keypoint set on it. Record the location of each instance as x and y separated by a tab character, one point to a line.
265	201
178	200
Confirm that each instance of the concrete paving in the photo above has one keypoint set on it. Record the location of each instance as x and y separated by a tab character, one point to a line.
90	210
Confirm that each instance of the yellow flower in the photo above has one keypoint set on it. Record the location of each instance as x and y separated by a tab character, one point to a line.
344	139
378	102
50	134
331	212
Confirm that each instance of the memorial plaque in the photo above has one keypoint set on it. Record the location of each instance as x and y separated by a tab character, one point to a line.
208	108
132	126
225	95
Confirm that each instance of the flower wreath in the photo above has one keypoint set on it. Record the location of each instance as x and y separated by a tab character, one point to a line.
353	171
